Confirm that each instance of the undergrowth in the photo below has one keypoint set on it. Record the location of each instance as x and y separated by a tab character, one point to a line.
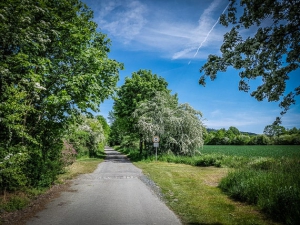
274	186
12	201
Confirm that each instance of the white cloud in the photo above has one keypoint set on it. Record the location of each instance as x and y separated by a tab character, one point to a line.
150	27
203	33
123	19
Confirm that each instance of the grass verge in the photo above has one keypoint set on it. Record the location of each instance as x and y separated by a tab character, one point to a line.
192	193
80	166
10	202
272	185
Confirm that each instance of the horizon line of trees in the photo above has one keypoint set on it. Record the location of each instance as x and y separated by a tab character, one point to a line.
272	135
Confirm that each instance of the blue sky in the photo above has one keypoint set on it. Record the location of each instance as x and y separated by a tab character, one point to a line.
173	38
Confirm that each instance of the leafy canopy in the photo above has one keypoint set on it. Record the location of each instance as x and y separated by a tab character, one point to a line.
140	87
54	66
178	125
272	53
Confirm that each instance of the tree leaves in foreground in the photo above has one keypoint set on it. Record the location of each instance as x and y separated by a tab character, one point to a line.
271	54
54	66
178	125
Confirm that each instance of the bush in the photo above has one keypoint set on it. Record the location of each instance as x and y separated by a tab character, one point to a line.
241	140
13	169
14	203
129	143
286	139
260	140
203	160
68	154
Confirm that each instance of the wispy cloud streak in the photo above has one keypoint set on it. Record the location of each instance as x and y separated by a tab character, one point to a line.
209	33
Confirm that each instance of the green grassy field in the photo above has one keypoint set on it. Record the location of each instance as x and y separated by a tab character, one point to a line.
273	151
192	193
266	178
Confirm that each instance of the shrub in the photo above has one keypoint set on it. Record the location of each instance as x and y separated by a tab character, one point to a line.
68	154
260	140
287	139
13	169
14	203
129	142
241	140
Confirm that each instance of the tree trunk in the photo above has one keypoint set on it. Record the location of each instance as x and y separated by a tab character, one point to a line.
141	144
146	148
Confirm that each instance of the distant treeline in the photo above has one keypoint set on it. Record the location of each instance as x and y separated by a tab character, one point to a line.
273	135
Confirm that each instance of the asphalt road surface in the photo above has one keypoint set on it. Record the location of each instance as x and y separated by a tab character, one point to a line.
113	194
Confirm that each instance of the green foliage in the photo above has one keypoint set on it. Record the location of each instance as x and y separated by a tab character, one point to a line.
13	169
270	54
260	140
116	134
105	126
199	160
202	160
274	130
240	140
54	66
274	186
14	203
267	176
129	142
87	137
178	125
273	134
142	86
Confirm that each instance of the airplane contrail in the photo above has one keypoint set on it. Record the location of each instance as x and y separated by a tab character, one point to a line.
209	33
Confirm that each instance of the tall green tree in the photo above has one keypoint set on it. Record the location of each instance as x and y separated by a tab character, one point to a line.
142	86
271	53
54	66
274	130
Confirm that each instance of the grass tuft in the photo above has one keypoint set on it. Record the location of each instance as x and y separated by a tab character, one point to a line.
274	186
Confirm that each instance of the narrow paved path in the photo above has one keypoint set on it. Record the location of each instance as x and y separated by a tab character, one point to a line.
112	194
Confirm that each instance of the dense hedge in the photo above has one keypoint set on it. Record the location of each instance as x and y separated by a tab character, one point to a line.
227	137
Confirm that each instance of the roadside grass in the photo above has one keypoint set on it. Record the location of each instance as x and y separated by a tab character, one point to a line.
269	183
273	185
80	166
10	202
192	193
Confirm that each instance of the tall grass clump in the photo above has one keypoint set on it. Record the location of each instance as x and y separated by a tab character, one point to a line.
274	186
200	160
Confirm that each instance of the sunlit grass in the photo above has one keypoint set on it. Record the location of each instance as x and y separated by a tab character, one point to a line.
192	193
274	151
80	166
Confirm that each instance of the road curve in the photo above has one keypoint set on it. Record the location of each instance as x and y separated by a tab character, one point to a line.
113	194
